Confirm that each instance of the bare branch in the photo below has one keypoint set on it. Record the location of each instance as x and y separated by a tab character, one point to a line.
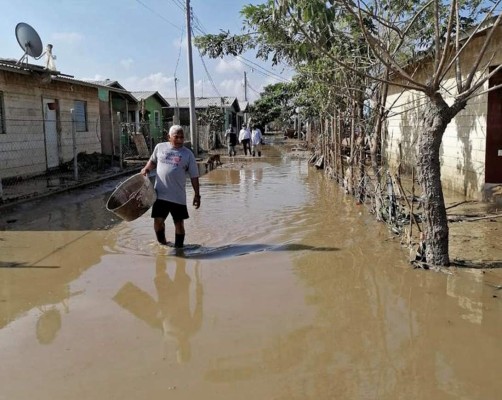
483	50
440	66
413	85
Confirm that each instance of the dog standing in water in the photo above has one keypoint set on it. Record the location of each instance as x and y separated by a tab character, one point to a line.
213	162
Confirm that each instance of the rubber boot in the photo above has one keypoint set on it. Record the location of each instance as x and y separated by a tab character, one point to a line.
179	240
161	237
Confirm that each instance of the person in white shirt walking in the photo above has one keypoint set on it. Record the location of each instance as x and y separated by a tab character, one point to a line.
256	138
173	162
245	138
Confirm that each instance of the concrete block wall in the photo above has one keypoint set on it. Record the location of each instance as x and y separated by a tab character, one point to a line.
464	142
22	147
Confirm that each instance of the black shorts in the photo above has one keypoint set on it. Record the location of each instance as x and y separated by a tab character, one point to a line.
162	208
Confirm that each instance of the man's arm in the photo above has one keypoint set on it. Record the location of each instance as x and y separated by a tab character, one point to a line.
196	196
150	165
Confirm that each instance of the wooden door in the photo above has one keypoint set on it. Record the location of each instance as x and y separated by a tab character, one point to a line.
493	158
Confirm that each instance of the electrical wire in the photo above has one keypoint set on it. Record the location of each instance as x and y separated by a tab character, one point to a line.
157	14
198	26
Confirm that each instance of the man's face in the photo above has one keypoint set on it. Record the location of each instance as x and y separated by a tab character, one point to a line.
177	139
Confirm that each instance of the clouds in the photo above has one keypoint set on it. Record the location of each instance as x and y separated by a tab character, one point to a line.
232	87
127	63
69	38
156	81
225	66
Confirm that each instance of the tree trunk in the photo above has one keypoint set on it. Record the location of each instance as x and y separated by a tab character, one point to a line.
436	117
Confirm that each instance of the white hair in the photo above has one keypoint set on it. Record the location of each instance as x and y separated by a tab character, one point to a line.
175	129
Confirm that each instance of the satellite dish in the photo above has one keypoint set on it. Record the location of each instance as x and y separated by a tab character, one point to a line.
28	39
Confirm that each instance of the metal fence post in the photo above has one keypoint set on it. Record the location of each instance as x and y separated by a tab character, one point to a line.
120	127
74	138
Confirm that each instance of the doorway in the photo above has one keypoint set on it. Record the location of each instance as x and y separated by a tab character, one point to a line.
493	157
51	133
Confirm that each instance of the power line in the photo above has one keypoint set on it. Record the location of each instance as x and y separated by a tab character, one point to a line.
253	89
179	52
209	75
179	4
157	14
197	26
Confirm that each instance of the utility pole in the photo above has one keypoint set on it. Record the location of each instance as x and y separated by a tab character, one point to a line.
245	87
176	118
245	96
193	118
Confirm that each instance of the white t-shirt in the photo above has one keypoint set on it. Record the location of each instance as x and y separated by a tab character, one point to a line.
256	136
173	165
244	134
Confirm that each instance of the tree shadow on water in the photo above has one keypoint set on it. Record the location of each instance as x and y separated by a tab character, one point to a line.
13	264
234	250
488	264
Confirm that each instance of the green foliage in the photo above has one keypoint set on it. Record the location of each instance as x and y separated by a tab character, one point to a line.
212	116
223	44
275	106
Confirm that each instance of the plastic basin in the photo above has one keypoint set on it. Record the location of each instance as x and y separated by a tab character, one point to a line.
132	198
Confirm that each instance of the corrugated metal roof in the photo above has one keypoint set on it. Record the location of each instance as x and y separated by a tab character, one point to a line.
107	83
143	95
146	95
203	102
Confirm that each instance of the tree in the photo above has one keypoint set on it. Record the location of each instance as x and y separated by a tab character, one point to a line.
275	105
214	117
402	38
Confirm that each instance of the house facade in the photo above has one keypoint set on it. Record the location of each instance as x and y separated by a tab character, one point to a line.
471	150
181	106
117	108
45	119
150	114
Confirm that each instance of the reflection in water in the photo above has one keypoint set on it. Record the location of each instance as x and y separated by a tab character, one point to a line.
171	312
65	212
43	270
178	322
468	294
323	305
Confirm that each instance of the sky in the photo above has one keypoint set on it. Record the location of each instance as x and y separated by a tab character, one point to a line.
139	43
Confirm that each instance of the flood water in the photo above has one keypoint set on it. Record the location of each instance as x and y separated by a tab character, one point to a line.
287	290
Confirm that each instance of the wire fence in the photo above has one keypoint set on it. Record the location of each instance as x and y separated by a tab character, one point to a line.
39	156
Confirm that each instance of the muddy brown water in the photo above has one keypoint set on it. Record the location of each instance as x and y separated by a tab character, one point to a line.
287	290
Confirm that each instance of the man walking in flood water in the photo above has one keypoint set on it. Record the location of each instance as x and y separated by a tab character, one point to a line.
256	138
173	162
231	139
245	139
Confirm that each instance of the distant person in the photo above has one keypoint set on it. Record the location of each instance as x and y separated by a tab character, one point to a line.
231	139
245	138
256	138
173	162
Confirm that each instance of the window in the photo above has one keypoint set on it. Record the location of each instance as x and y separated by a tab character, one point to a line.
156	118
80	115
2	114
